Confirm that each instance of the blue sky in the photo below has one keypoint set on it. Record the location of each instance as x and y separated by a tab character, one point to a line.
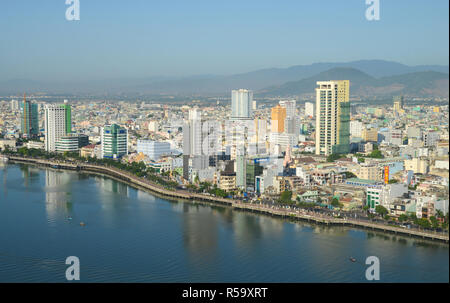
143	38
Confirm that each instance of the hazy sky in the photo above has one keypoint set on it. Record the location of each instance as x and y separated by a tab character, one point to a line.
140	38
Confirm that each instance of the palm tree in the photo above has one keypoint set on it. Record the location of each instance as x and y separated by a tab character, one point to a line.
439	213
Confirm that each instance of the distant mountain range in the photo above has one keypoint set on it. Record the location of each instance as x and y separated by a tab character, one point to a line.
419	84
368	78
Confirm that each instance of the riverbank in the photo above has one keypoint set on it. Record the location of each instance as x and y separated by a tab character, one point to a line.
255	208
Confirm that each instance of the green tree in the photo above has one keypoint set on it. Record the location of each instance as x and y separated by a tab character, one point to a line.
424	223
335	202
349	175
439	213
434	222
376	154
403	218
333	157
286	197
381	210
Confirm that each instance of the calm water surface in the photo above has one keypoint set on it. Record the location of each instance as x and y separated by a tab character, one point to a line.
132	236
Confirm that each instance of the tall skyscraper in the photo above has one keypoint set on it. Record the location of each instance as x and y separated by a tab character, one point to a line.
29	118
291	123
192	134
56	124
333	117
278	117
241	104
193	143
68	113
114	141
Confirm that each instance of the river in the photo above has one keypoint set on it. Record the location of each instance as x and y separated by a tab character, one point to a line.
133	236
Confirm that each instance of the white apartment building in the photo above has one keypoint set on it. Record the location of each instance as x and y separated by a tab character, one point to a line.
241	104
55	125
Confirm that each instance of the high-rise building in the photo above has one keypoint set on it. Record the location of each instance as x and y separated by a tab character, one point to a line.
241	104
290	106
278	118
29	118
192	134
56	125
198	142
398	104
309	109
114	141
68	111
291	123
333	117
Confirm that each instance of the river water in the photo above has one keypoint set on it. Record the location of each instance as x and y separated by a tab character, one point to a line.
133	236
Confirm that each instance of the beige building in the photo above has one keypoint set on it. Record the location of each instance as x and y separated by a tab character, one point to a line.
418	165
332	117
370	172
227	181
88	151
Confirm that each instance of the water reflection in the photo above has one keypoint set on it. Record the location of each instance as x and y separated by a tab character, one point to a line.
200	232
185	242
57	193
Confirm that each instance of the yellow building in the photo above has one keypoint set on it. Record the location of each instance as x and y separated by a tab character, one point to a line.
370	135
278	117
436	109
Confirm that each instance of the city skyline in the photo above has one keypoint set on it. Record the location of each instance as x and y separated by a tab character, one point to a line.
235	142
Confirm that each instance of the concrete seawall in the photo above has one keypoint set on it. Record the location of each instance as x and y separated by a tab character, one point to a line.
276	212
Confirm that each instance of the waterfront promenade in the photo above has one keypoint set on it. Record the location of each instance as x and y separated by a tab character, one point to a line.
275	211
